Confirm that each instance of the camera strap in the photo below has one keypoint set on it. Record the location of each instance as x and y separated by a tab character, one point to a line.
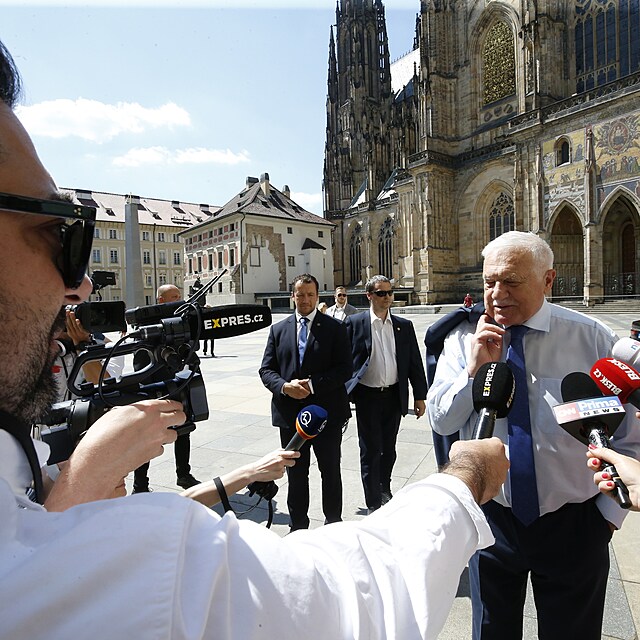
222	493
21	432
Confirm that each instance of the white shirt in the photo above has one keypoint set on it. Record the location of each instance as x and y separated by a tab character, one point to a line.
153	566
338	312
383	366
559	341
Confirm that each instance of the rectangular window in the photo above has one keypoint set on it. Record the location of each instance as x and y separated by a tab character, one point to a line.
320	234
96	255
146	257
289	229
161	236
177	258
162	257
190	265
254	257
232	257
145	236
219	259
96	233
232	226
113	234
210	260
199	264
147	280
219	287
162	279
291	261
113	256
147	299
175	237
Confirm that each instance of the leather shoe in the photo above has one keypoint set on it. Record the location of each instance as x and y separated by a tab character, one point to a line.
385	496
187	481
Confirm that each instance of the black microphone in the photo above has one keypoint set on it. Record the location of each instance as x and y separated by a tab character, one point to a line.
592	418
494	388
217	322
310	421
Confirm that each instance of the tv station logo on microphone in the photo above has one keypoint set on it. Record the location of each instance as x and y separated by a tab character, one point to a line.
587	408
233	321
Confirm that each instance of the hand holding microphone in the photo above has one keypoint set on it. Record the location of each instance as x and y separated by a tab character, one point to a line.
592	418
310	421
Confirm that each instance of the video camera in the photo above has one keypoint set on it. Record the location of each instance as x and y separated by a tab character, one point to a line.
100	317
170	335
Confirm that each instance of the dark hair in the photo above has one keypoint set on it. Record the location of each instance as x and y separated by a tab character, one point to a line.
305	278
10	81
373	281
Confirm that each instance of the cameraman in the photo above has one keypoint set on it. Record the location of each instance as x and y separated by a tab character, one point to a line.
158	565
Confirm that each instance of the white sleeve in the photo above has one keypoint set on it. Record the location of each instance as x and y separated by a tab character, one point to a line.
392	575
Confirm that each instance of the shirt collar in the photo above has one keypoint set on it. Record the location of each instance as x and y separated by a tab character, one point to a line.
373	317
541	319
311	316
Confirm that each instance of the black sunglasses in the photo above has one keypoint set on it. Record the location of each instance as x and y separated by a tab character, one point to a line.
341	295
382	294
76	235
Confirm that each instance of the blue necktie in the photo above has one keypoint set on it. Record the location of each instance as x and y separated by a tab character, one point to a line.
524	492
302	337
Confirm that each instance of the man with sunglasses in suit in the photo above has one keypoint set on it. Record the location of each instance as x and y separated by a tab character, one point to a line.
386	358
341	309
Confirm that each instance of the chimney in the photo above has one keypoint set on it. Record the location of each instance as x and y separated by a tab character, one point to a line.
251	181
264	184
286	191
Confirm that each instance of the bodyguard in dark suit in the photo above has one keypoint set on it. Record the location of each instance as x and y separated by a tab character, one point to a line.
386	358
307	361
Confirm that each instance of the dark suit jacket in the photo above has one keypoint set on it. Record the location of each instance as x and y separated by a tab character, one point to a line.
408	359
327	362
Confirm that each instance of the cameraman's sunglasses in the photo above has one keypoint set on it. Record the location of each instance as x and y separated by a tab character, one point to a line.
76	234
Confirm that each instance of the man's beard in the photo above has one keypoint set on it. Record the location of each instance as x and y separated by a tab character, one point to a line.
29	387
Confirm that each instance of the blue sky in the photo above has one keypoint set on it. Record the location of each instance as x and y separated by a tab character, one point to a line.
181	100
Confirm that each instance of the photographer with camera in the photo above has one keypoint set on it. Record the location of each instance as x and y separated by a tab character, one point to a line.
158	565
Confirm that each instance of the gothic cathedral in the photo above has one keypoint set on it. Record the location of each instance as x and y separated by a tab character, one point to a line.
507	114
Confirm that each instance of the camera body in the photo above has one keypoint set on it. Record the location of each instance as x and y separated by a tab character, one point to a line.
100	317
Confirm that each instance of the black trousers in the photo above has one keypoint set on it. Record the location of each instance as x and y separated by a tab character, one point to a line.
566	553
378	416
182	450
326	447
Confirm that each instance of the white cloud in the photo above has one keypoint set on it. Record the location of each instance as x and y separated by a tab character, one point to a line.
96	121
309	201
162	156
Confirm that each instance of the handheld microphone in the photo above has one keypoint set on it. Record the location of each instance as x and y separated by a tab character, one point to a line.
494	388
310	421
592	418
617	378
627	350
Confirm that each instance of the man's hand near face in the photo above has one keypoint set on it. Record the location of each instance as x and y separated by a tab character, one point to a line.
486	344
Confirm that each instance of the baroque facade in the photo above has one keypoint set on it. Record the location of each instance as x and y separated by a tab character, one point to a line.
506	114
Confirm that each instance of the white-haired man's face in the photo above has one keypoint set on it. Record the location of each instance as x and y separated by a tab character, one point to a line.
514	286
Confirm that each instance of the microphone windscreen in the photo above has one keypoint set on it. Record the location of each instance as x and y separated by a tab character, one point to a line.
310	421
494	388
579	386
231	320
615	377
627	350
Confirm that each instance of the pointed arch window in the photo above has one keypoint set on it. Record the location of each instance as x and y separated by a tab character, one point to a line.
501	216
499	64
355	255
385	248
